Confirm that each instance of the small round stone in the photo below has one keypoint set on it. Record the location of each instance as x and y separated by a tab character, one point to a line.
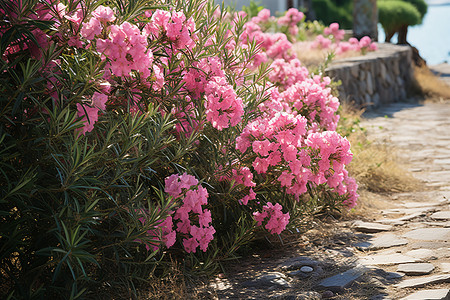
327	294
306	269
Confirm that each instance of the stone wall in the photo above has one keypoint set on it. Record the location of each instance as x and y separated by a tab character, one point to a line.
377	78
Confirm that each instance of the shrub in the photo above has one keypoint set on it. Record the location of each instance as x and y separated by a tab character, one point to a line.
393	15
132	135
330	12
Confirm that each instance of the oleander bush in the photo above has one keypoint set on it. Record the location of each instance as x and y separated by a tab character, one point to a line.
135	133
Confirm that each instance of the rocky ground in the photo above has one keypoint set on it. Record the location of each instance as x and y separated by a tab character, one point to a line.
402	253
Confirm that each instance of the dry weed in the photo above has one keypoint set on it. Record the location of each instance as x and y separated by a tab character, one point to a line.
430	85
172	286
375	165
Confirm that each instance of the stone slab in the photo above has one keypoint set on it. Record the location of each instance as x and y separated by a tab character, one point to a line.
445	267
341	281
429	245
387	259
370	227
429	234
416	268
423	281
438	294
421	253
383	241
441	215
391	221
419	204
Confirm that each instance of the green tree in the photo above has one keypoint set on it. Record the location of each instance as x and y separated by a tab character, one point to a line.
397	15
329	12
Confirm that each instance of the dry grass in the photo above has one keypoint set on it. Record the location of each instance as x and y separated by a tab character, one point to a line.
171	286
430	85
310	58
375	165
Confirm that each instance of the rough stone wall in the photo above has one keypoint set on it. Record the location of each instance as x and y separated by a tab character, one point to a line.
377	78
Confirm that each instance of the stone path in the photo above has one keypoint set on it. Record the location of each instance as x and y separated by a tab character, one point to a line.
403	254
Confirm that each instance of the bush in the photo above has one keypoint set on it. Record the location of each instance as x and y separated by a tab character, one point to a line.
132	136
329	12
393	15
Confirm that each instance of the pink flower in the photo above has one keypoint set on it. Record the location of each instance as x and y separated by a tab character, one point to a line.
250	196
260	165
172	186
204	218
286	179
89	116
104	14
99	100
91	29
190	245
186	181
223	107
365	42
277	220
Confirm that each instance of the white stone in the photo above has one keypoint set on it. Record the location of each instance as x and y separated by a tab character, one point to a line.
383	241
416	268
306	269
429	234
441	215
370	227
422	281
438	294
387	259
445	267
421	253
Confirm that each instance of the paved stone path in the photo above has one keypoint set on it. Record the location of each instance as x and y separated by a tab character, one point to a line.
403	254
418	244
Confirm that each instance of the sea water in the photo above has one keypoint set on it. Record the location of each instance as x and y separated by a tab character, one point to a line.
432	37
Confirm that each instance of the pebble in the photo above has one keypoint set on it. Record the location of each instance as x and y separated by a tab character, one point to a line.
306	269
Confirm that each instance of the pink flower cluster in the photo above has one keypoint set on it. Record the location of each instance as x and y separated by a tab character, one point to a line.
276	222
223	107
89	111
335	32
263	16
179	30
333	41
312	99
164	233
274	45
186	188
125	48
291	19
287	73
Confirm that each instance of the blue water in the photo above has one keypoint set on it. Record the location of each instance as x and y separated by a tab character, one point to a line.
432	37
